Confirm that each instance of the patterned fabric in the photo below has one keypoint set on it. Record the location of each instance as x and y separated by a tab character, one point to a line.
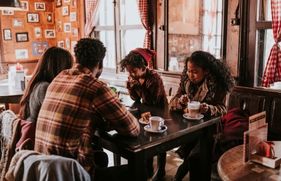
76	104
91	16
151	91
272	71
146	14
208	92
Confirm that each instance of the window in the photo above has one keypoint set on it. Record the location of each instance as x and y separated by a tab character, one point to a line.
256	41
119	28
197	27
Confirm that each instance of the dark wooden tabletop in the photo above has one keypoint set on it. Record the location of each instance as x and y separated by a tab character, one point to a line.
147	144
9	95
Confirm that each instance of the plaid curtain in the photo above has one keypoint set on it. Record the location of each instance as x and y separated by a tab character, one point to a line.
147	19
272	71
91	8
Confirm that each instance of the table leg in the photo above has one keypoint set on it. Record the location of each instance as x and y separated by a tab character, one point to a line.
117	159
137	167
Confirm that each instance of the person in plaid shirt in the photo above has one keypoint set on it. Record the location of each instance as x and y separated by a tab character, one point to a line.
146	85
76	104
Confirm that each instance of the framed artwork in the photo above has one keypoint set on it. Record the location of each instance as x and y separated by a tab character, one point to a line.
37	32
38	48
39	6
50	33
60	44
65	11
17	22
21	53
49	17
7	34
72	17
22	37
32	17
67	43
24	5
66	1
67	27
7	12
74	31
58	3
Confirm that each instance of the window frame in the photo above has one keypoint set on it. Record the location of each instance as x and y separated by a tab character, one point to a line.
249	66
117	28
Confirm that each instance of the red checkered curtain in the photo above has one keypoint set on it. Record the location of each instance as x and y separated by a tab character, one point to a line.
91	8
147	19
272	71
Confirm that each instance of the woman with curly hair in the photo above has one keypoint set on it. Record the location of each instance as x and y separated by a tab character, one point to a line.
207	80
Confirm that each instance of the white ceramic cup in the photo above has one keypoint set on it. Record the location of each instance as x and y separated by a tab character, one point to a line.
193	109
156	122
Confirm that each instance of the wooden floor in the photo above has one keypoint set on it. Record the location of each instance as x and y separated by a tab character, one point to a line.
172	164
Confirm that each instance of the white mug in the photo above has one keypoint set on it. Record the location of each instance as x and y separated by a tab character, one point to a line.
156	122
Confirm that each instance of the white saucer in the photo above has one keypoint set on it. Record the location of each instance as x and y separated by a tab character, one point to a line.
162	130
143	122
199	116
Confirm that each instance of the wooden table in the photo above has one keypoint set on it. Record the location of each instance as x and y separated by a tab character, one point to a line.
232	167
8	95
146	145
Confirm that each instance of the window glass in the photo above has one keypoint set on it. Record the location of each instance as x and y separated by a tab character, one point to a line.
130	32
265	41
264	10
129	13
193	26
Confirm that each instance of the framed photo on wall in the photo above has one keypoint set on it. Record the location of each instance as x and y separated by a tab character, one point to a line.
32	17
49	18
50	33
58	3
21	53
24	5
7	34
37	32
22	37
39	6
7	12
65	11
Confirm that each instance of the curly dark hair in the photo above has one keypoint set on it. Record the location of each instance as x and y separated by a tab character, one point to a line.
89	52
134	60
51	63
217	68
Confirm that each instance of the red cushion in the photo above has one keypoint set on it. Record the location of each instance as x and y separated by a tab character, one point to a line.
27	132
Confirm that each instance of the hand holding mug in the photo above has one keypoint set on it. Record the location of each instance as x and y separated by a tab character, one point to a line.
175	105
204	107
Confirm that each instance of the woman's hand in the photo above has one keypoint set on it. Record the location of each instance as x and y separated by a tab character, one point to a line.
204	107
175	105
184	99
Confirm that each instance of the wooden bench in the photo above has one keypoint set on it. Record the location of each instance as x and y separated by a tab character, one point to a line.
257	100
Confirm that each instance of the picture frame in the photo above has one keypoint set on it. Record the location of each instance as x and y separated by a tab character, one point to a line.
49	17
7	34
21	53
65	11
22	37
24	5
58	3
38	48
66	1
18	22
60	44
72	16
7	12
37	32
50	33
33	18
39	6
67	27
